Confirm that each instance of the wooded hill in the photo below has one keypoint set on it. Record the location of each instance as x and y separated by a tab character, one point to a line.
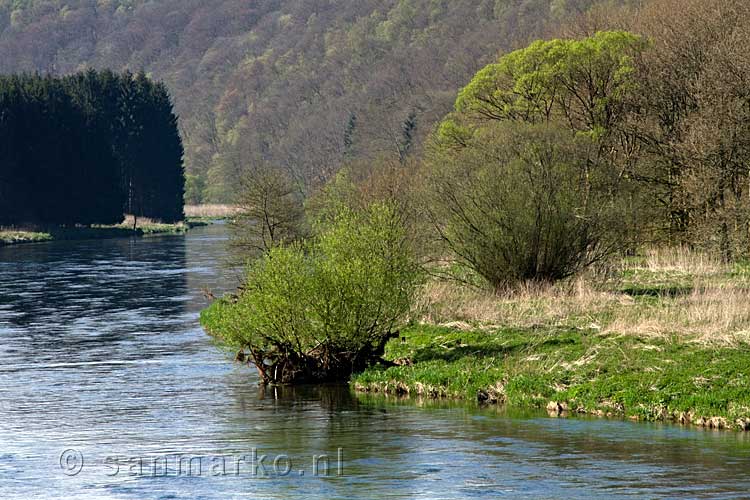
304	86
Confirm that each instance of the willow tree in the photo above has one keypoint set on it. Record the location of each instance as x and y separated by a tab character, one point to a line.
584	84
324	308
529	175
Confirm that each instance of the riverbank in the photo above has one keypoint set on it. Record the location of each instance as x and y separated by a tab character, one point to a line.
124	230
16	237
666	339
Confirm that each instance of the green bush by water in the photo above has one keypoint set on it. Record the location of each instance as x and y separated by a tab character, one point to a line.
323	309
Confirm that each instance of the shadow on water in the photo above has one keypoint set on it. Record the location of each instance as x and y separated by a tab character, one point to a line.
404	446
367	448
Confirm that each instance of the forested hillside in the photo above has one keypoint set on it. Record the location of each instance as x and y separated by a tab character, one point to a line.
304	86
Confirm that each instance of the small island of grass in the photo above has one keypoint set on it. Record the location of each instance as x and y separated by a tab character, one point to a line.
143	227
14	237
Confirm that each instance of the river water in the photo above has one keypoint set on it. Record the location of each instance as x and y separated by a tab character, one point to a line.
109	389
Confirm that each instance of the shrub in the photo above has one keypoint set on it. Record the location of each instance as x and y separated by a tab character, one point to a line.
526	203
322	310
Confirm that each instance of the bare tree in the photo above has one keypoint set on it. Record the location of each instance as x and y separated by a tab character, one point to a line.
271	213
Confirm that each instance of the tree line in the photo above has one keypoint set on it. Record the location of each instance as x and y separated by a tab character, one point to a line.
628	131
570	151
87	149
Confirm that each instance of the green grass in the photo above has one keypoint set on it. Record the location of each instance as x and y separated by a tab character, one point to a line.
15	237
664	336
151	228
94	232
582	371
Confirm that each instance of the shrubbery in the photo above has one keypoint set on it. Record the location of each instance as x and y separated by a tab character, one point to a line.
323	309
526	203
530	178
555	157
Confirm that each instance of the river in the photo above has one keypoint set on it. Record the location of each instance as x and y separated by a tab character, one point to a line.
110	389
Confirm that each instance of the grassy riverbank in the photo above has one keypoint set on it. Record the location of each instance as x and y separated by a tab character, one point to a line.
16	237
667	338
144	227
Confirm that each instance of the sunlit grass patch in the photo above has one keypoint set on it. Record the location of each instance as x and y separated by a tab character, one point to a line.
12	237
584	371
661	294
665	336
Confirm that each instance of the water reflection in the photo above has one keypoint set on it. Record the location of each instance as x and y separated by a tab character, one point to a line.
100	351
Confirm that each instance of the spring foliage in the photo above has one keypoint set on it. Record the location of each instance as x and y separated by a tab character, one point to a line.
525	202
583	83
323	309
525	179
307	85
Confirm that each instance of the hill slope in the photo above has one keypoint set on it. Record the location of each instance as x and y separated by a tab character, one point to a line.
302	85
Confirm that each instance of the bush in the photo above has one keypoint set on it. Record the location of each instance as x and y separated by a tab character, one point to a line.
321	310
526	202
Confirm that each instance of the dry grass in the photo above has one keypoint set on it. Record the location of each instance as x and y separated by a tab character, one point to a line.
210	210
577	304
142	221
148	225
711	305
683	260
710	314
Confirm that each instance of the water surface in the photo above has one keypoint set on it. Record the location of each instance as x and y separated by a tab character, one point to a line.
101	354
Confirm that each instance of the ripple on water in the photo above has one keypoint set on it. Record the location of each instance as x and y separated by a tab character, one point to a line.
100	351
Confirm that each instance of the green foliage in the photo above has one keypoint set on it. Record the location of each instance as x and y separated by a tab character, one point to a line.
339	194
528	171
585	82
195	186
323	309
525	202
520	86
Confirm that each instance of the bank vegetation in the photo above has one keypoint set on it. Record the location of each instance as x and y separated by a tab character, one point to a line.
580	221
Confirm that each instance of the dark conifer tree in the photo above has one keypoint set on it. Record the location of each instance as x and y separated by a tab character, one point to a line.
87	148
96	96
164	151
